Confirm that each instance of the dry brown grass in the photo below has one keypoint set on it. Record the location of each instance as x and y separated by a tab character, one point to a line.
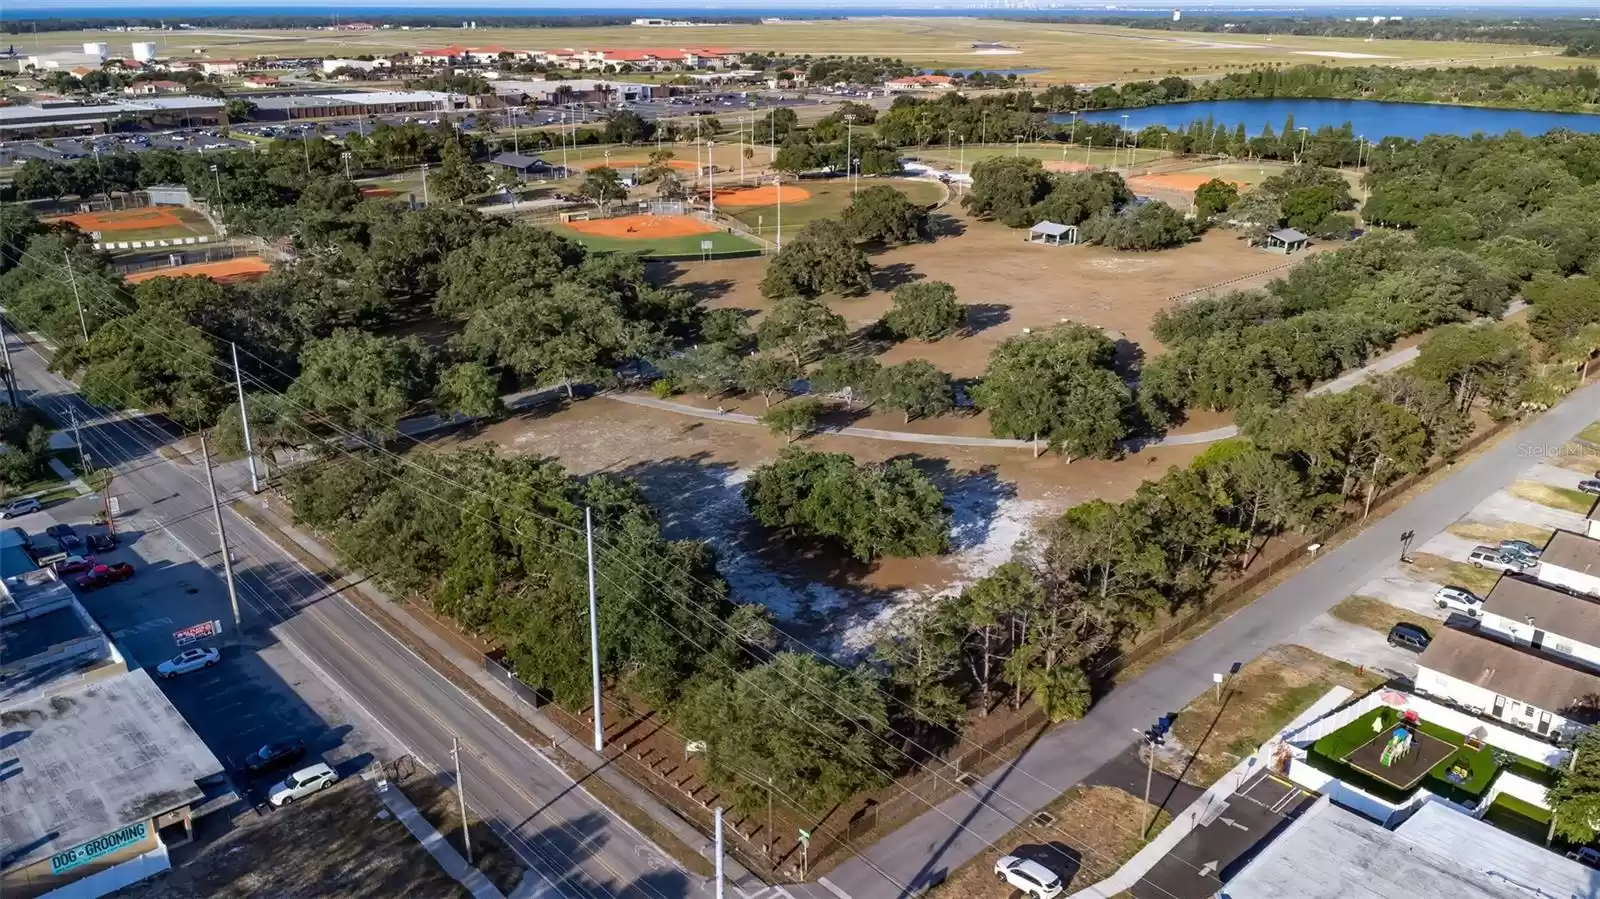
1376	614
442	809
1555	497
1258	702
1484	532
1429	567
1096	831
340	844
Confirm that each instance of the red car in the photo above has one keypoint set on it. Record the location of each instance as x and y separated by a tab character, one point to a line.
74	564
101	575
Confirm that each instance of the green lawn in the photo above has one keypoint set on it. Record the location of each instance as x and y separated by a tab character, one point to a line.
1523	819
828	199
1106	157
1555	497
1591	433
1329	752
721	242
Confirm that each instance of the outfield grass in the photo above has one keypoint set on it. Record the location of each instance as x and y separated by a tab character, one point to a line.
828	199
721	242
1061	51
1074	154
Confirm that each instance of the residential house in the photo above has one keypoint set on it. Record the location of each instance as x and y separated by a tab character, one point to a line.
261	81
1592	525
1546	618
1517	684
152	88
1571	561
442	56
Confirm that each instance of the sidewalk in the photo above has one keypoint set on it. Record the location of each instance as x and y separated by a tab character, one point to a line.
738	876
443	853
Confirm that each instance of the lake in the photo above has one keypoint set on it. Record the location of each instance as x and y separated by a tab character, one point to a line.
1371	118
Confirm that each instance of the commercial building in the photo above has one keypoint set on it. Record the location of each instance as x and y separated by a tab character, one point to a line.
351	104
920	83
50	62
329	66
520	92
99	773
150	112
1440	852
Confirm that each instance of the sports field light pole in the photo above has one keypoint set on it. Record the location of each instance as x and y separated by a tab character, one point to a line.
1304	132
711	173
565	172
849	134
594	631
424	184
777	188
346	157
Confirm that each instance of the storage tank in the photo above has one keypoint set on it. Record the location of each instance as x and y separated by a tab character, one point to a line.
93	48
144	51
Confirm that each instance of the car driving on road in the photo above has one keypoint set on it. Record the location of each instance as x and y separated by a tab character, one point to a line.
20	507
189	660
1028	876
301	784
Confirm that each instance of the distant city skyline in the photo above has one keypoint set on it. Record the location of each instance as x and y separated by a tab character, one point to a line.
490	7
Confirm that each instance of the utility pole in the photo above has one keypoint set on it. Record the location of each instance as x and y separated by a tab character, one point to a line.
711	173
769	816
66	256
244	421
719	852
222	538
461	794
849	135
77	438
5	359
594	631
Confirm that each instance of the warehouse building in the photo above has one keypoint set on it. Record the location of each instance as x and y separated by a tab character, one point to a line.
71	119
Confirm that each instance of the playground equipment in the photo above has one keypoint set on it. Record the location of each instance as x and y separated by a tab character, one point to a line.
1398	748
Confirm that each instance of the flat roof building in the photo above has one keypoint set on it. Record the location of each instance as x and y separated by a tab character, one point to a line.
352	103
30	120
99	773
1438	853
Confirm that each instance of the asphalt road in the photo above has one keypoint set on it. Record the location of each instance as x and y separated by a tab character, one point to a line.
556	827
943	838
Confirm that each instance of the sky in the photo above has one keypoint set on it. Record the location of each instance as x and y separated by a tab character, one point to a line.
103	7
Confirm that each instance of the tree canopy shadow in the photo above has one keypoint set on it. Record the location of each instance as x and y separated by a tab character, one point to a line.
944	225
888	277
983	316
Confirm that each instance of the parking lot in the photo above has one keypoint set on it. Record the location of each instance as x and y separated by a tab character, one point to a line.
257	693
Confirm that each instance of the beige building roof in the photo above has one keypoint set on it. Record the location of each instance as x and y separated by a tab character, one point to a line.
1553	611
1573	552
1515	673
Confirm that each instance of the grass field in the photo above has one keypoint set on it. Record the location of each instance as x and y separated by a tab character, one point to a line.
1062	51
1061	154
827	200
721	242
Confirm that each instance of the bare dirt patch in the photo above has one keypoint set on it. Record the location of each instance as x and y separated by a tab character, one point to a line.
243	268
1094	832
764	195
1011	285
1484	532
693	469
340	843
1256	703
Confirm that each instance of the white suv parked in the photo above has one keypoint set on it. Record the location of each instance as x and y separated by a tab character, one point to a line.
1028	876
1458	600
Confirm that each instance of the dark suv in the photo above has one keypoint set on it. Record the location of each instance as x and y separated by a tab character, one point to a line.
1409	636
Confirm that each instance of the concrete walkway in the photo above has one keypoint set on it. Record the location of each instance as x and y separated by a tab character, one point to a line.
65	473
443	853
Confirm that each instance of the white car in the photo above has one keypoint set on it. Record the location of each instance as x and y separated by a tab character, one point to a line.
301	784
1456	599
1028	876
189	660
